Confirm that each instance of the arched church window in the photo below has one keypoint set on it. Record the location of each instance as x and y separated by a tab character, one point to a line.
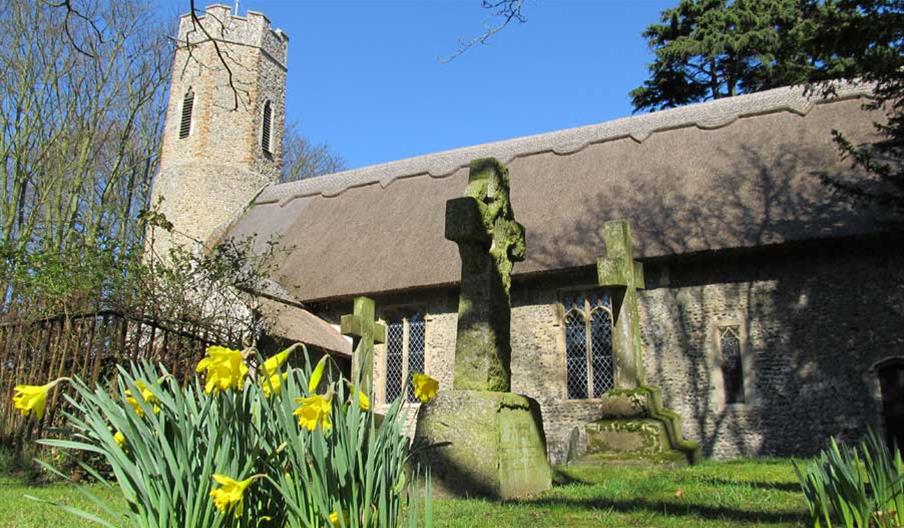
590	367
405	351
188	103
602	363
732	368
575	349
265	128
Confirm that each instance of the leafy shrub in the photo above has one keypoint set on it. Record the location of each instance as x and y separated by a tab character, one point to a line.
240	450
855	487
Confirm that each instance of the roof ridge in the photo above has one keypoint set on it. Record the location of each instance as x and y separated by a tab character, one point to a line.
707	115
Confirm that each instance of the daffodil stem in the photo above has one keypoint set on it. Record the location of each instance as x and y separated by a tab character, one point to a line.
58	380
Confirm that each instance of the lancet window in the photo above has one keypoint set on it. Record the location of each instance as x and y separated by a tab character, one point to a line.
589	361
732	367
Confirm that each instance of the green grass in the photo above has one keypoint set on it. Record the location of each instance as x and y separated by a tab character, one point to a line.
17	511
741	493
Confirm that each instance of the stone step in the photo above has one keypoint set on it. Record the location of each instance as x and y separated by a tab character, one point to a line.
636	430
671	459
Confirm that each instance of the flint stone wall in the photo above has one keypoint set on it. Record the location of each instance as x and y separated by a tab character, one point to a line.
208	178
813	322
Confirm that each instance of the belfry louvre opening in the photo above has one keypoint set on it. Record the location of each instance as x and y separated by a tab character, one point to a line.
188	103
265	129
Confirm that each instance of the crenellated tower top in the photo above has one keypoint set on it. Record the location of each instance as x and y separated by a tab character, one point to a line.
224	122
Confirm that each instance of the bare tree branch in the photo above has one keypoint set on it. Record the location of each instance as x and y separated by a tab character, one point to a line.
72	11
508	10
222	54
304	159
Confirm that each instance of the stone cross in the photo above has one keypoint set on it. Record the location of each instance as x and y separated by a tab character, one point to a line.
490	241
620	272
360	325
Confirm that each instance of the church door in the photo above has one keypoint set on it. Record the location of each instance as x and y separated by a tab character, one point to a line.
891	379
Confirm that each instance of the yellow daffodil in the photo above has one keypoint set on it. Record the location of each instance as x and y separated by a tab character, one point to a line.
225	369
229	494
363	401
314	411
334	519
146	395
271	379
275	362
272	384
31	399
425	387
120	439
317	374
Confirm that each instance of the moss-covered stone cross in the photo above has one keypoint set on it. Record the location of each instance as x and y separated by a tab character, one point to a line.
624	276
364	331
490	241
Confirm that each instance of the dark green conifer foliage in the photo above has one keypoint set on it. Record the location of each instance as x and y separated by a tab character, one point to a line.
709	49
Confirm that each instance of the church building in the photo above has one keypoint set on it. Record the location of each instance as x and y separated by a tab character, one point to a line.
770	311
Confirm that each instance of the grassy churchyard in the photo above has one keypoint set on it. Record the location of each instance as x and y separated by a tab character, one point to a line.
738	493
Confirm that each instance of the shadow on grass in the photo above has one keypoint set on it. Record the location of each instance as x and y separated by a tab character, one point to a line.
562	478
671	509
791	487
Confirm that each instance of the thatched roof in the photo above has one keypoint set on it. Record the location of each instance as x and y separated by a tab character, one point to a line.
732	173
285	317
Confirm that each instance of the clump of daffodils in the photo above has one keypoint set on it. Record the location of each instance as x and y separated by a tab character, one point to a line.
310	439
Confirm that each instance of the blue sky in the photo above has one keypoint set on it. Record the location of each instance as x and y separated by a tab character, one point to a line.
364	75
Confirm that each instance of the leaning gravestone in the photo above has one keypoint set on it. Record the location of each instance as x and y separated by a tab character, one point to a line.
486	441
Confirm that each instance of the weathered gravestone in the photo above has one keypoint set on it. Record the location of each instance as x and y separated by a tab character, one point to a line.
635	427
365	332
486	441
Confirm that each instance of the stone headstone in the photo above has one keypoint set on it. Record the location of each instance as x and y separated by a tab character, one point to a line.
361	326
485	440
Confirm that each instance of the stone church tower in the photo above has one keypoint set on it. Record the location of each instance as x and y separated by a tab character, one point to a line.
224	123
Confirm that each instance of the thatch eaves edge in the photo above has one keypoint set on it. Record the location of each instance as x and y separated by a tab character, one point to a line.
709	115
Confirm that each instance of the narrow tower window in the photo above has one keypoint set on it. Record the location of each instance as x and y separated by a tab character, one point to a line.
265	129
732	369
188	102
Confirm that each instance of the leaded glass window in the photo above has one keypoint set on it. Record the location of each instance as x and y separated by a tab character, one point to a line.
415	350
405	349
395	350
732	368
590	367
